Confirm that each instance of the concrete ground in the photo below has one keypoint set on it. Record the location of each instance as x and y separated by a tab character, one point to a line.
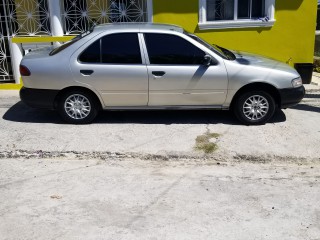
315	79
156	199
137	175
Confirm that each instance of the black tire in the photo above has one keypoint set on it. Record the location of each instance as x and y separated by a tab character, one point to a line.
83	111
254	107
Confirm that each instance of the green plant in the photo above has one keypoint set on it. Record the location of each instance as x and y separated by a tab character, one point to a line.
316	63
203	142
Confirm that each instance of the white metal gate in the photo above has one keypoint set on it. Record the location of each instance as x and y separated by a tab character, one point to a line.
80	15
23	18
6	72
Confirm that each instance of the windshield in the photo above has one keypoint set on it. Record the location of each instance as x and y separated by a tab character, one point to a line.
225	53
67	44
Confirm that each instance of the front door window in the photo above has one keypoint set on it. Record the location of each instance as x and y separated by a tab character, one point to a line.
171	49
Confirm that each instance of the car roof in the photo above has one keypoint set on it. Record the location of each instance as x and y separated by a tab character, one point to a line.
137	26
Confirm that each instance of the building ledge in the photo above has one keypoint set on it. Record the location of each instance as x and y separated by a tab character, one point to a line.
236	24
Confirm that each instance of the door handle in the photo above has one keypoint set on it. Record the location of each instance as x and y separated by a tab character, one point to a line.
158	74
86	72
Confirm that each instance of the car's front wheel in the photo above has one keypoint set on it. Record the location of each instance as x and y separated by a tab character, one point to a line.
77	107
254	107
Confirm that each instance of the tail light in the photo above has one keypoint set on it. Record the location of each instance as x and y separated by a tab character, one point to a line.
24	71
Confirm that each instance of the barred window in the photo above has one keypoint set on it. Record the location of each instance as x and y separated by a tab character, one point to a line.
235	9
81	15
236	13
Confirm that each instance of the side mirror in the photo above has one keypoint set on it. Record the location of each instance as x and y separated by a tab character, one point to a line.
207	60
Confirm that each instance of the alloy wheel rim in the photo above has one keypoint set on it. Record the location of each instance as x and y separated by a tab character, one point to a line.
77	106
256	107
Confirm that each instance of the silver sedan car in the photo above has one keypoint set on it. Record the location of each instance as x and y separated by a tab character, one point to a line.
154	66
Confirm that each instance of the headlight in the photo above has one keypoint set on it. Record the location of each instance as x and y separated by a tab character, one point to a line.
297	82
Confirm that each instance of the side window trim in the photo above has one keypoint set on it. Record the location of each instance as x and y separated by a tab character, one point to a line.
143	48
100	44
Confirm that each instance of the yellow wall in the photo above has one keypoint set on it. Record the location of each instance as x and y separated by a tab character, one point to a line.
291	37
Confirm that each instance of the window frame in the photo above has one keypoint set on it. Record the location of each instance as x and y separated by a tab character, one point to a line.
236	23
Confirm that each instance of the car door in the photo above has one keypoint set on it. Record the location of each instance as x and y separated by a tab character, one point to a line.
178	75
113	65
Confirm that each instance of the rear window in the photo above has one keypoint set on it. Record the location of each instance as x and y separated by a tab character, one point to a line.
67	44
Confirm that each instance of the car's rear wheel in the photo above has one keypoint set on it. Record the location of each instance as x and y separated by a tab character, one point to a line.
77	107
254	107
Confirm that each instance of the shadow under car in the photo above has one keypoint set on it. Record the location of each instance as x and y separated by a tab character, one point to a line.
20	112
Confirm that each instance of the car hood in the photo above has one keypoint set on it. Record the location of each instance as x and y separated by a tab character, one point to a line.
256	60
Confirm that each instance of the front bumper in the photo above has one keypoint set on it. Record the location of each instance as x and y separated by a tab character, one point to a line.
291	96
38	98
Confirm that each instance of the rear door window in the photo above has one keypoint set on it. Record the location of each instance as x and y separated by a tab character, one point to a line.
120	48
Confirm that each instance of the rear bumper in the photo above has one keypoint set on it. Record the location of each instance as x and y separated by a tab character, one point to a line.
291	96
38	98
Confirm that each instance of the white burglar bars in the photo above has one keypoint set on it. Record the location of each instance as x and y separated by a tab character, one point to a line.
6	72
81	15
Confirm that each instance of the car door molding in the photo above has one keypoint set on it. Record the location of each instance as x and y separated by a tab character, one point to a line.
143	47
